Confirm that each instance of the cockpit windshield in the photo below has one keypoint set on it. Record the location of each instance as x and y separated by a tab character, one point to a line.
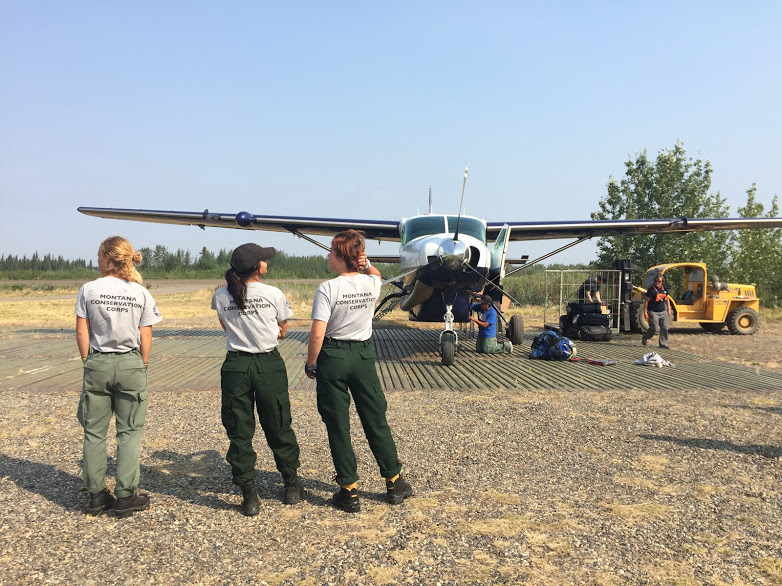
422	226
470	226
428	225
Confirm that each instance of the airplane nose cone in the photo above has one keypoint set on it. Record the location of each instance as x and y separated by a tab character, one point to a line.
453	254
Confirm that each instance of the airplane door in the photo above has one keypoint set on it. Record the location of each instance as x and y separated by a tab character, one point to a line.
498	253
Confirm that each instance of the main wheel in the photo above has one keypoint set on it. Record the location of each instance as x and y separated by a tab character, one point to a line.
448	348
638	321
712	327
743	320
515	331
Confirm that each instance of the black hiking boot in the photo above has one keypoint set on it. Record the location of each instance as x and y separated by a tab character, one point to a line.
347	500
251	502
100	502
293	491
125	507
398	490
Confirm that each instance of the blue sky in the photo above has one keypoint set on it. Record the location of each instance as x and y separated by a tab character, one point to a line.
353	109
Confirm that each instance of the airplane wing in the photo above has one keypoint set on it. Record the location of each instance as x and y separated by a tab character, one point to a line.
389	229
596	228
388	258
373	229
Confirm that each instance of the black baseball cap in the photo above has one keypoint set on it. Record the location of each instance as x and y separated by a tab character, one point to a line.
486	299
247	256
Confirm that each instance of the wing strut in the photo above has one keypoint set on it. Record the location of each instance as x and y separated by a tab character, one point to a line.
545	256
308	239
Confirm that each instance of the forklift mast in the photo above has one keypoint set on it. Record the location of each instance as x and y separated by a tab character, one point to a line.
625	288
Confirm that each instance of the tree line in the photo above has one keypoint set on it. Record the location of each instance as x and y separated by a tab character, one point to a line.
670	186
161	263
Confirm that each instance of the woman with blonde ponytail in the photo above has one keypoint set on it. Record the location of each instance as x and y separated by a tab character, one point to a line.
114	318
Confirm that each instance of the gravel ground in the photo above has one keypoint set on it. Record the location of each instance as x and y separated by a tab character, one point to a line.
510	487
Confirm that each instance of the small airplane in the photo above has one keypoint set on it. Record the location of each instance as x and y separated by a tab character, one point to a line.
445	259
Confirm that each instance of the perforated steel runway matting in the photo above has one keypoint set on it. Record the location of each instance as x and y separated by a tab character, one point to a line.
407	359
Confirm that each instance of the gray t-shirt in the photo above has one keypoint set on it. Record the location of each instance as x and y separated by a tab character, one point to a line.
347	305
116	309
255	328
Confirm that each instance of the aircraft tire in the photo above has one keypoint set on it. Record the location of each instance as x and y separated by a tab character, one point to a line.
448	348
515	330
744	321
712	326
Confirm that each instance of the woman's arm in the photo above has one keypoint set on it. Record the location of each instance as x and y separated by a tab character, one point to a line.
317	333
83	337
146	343
283	329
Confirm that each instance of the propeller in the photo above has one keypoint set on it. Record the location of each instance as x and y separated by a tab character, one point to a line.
461	200
454	253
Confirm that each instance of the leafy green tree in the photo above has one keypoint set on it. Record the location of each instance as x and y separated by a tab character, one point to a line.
672	186
758	253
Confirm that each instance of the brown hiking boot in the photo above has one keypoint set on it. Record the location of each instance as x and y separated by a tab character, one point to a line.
125	507
100	502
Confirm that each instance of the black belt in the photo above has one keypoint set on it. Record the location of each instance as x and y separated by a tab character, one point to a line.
94	351
347	343
242	353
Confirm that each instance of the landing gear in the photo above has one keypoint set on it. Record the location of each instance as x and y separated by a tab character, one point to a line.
448	347
515	330
448	340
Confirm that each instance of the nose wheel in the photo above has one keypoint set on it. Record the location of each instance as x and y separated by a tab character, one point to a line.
448	339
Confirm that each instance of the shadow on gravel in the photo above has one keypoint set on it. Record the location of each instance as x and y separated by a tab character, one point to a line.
54	485
709	444
202	478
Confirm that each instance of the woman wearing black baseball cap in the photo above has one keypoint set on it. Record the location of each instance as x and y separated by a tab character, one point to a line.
255	316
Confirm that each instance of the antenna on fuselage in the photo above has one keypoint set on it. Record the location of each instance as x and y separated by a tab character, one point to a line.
459	217
430	200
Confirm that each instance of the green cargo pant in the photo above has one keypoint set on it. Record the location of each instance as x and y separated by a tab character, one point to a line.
113	383
260	380
490	346
345	368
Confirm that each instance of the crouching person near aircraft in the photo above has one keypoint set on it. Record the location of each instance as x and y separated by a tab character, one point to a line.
341	356
114	318
253	376
487	328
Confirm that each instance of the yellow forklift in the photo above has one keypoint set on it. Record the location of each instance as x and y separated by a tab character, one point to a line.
697	298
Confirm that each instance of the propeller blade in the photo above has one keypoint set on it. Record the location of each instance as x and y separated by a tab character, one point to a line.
461	200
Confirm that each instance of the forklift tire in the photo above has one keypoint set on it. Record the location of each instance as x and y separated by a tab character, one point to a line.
712	326
638	321
743	320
